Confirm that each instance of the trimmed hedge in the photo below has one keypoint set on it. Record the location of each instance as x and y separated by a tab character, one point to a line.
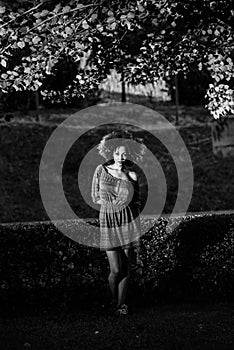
196	259
193	259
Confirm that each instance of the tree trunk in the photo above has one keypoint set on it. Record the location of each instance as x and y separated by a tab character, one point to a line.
37	116
177	100
123	94
1	105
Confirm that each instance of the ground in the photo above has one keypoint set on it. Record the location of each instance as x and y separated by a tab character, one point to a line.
185	326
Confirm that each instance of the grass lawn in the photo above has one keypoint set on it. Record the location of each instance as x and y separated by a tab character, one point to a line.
23	141
184	326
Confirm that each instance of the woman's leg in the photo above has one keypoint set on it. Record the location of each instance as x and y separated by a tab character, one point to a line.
114	257
126	258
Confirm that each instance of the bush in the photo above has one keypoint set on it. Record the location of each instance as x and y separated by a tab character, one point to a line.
193	259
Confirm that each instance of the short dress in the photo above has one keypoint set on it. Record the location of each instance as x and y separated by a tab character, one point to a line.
120	208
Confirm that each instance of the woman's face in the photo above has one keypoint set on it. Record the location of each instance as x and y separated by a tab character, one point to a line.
120	155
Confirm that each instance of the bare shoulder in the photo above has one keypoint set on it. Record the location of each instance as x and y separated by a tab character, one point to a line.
133	175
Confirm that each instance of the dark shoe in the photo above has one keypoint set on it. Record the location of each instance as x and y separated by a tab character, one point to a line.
122	310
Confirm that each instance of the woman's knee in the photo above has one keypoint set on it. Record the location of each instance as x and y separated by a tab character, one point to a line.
115	272
120	271
119	264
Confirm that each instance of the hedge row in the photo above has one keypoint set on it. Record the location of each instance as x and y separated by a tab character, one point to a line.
194	258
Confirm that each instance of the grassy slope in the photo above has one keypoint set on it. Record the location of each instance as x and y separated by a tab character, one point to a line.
23	140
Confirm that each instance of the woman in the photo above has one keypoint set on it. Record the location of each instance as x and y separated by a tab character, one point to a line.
115	187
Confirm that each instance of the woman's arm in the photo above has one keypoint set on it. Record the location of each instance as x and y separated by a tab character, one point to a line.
95	191
136	196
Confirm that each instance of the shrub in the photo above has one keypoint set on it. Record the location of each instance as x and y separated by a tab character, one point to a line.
191	259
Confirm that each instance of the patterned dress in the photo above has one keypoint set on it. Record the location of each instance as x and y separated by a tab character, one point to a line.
119	212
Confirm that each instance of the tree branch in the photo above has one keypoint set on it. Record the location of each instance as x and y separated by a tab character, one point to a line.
61	13
86	17
22	14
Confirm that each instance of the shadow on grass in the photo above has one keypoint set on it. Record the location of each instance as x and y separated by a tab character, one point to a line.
168	326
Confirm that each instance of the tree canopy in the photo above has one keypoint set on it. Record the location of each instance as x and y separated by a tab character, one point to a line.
145	39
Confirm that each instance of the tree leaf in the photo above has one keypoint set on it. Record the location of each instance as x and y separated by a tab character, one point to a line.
112	26
21	44
37	14
4	76
3	62
130	15
140	7
36	40
66	8
27	70
2	9
68	30
85	24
